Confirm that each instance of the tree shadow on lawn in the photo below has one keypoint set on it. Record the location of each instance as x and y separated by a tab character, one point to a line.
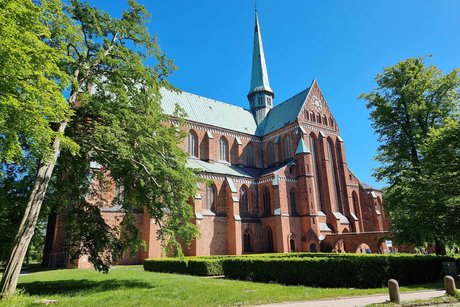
436	284
75	287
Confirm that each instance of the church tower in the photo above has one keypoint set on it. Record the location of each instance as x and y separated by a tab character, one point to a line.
260	94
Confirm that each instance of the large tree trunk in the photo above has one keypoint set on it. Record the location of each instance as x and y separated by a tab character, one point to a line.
440	248
29	221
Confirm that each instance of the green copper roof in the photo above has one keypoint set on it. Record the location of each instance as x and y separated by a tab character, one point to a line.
285	113
259	77
223	169
302	148
219	114
209	111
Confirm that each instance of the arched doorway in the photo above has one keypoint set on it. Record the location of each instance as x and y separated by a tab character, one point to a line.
247	246
363	248
270	245
339	246
291	239
313	248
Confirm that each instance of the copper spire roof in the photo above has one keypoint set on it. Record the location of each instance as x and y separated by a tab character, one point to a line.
259	76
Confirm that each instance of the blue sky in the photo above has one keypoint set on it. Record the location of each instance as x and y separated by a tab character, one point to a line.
341	44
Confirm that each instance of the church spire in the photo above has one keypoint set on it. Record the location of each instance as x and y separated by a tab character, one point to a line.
260	94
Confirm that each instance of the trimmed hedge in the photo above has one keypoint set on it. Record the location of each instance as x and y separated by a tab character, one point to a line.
359	271
310	269
199	267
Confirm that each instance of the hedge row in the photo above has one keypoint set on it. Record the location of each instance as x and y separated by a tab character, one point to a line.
310	269
199	267
358	272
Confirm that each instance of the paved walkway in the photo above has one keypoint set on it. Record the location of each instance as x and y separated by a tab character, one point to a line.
362	300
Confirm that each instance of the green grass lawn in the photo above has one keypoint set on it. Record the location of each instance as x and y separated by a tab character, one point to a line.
132	286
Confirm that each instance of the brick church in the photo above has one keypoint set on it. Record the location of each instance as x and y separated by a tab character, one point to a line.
280	179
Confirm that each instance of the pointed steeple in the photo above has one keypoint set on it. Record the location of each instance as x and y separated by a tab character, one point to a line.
260	94
259	77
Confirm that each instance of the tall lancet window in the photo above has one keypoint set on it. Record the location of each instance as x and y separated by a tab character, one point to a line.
210	198
244	208
266	201
355	204
223	149
335	195
316	173
292	202
192	144
250	161
287	148
271	153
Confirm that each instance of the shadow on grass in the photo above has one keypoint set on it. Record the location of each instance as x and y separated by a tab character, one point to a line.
437	284
33	268
75	287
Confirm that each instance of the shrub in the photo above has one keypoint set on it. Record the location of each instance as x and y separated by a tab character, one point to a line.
193	266
310	269
361	271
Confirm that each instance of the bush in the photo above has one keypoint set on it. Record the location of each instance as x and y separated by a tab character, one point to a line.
310	269
191	266
360	271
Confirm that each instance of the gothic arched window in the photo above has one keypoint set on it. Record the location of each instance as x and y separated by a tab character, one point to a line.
223	149
316	173
210	198
271	153
266	201
336	200
270	247
244	197
355	203
247	242
287	147
192	148
324	120
292	202
250	161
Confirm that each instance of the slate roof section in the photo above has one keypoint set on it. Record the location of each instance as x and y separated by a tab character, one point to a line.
219	114
223	169
367	186
285	113
209	111
232	170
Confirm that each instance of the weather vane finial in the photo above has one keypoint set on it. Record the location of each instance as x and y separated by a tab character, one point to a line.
255	5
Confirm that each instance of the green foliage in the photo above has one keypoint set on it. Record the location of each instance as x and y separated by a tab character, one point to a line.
415	113
31	84
13	197
359	271
119	124
113	117
409	100
131	286
310	269
191	266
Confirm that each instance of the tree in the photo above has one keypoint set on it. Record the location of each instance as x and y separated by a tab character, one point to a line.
116	121
31	100
412	102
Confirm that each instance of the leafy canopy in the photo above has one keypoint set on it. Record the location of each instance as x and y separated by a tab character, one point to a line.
415	113
31	84
114	118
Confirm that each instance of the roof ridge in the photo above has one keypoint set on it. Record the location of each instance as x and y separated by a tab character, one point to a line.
298	94
208	98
